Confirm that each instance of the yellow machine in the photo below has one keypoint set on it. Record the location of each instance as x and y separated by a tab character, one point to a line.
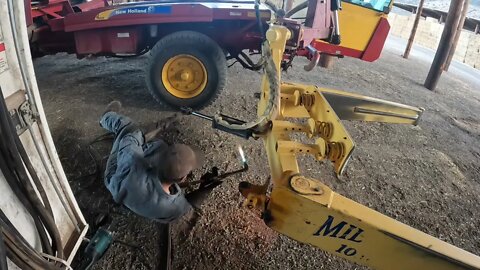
359	23
307	210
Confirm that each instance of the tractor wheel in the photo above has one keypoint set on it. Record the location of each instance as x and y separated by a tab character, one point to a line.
186	68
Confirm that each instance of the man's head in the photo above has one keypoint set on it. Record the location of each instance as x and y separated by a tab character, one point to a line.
177	162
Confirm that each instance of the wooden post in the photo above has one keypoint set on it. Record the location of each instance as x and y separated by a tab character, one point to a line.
414	29
477	28
460	24
445	44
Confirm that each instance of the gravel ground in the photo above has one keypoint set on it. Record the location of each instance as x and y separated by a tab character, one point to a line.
426	176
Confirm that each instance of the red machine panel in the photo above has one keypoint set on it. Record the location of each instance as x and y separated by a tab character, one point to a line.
375	46
115	40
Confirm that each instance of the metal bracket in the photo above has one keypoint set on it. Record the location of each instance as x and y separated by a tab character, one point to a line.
18	122
255	195
28	115
23	117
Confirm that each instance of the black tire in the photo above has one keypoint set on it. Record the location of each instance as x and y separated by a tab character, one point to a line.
191	43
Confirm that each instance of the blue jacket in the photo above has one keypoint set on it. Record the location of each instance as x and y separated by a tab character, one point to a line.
132	175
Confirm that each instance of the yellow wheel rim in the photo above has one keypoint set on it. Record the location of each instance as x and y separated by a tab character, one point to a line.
184	76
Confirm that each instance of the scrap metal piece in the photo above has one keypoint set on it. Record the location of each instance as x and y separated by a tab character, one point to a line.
315	57
255	195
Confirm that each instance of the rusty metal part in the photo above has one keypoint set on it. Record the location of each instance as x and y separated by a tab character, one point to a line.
165	247
306	186
335	151
255	195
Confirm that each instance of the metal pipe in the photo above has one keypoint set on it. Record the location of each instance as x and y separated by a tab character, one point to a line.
47	219
165	247
414	29
204	116
336	22
3	254
33	176
335	6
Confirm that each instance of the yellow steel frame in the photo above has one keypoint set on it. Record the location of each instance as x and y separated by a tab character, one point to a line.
307	210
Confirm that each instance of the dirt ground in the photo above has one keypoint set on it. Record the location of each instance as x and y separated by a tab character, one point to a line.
426	176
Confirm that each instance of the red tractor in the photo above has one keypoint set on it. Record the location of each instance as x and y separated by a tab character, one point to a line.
189	42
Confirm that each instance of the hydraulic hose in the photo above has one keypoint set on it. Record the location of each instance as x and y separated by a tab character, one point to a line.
34	202
24	256
34	176
259	20
19	250
272	77
47	219
15	241
20	194
271	5
3	253
296	9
